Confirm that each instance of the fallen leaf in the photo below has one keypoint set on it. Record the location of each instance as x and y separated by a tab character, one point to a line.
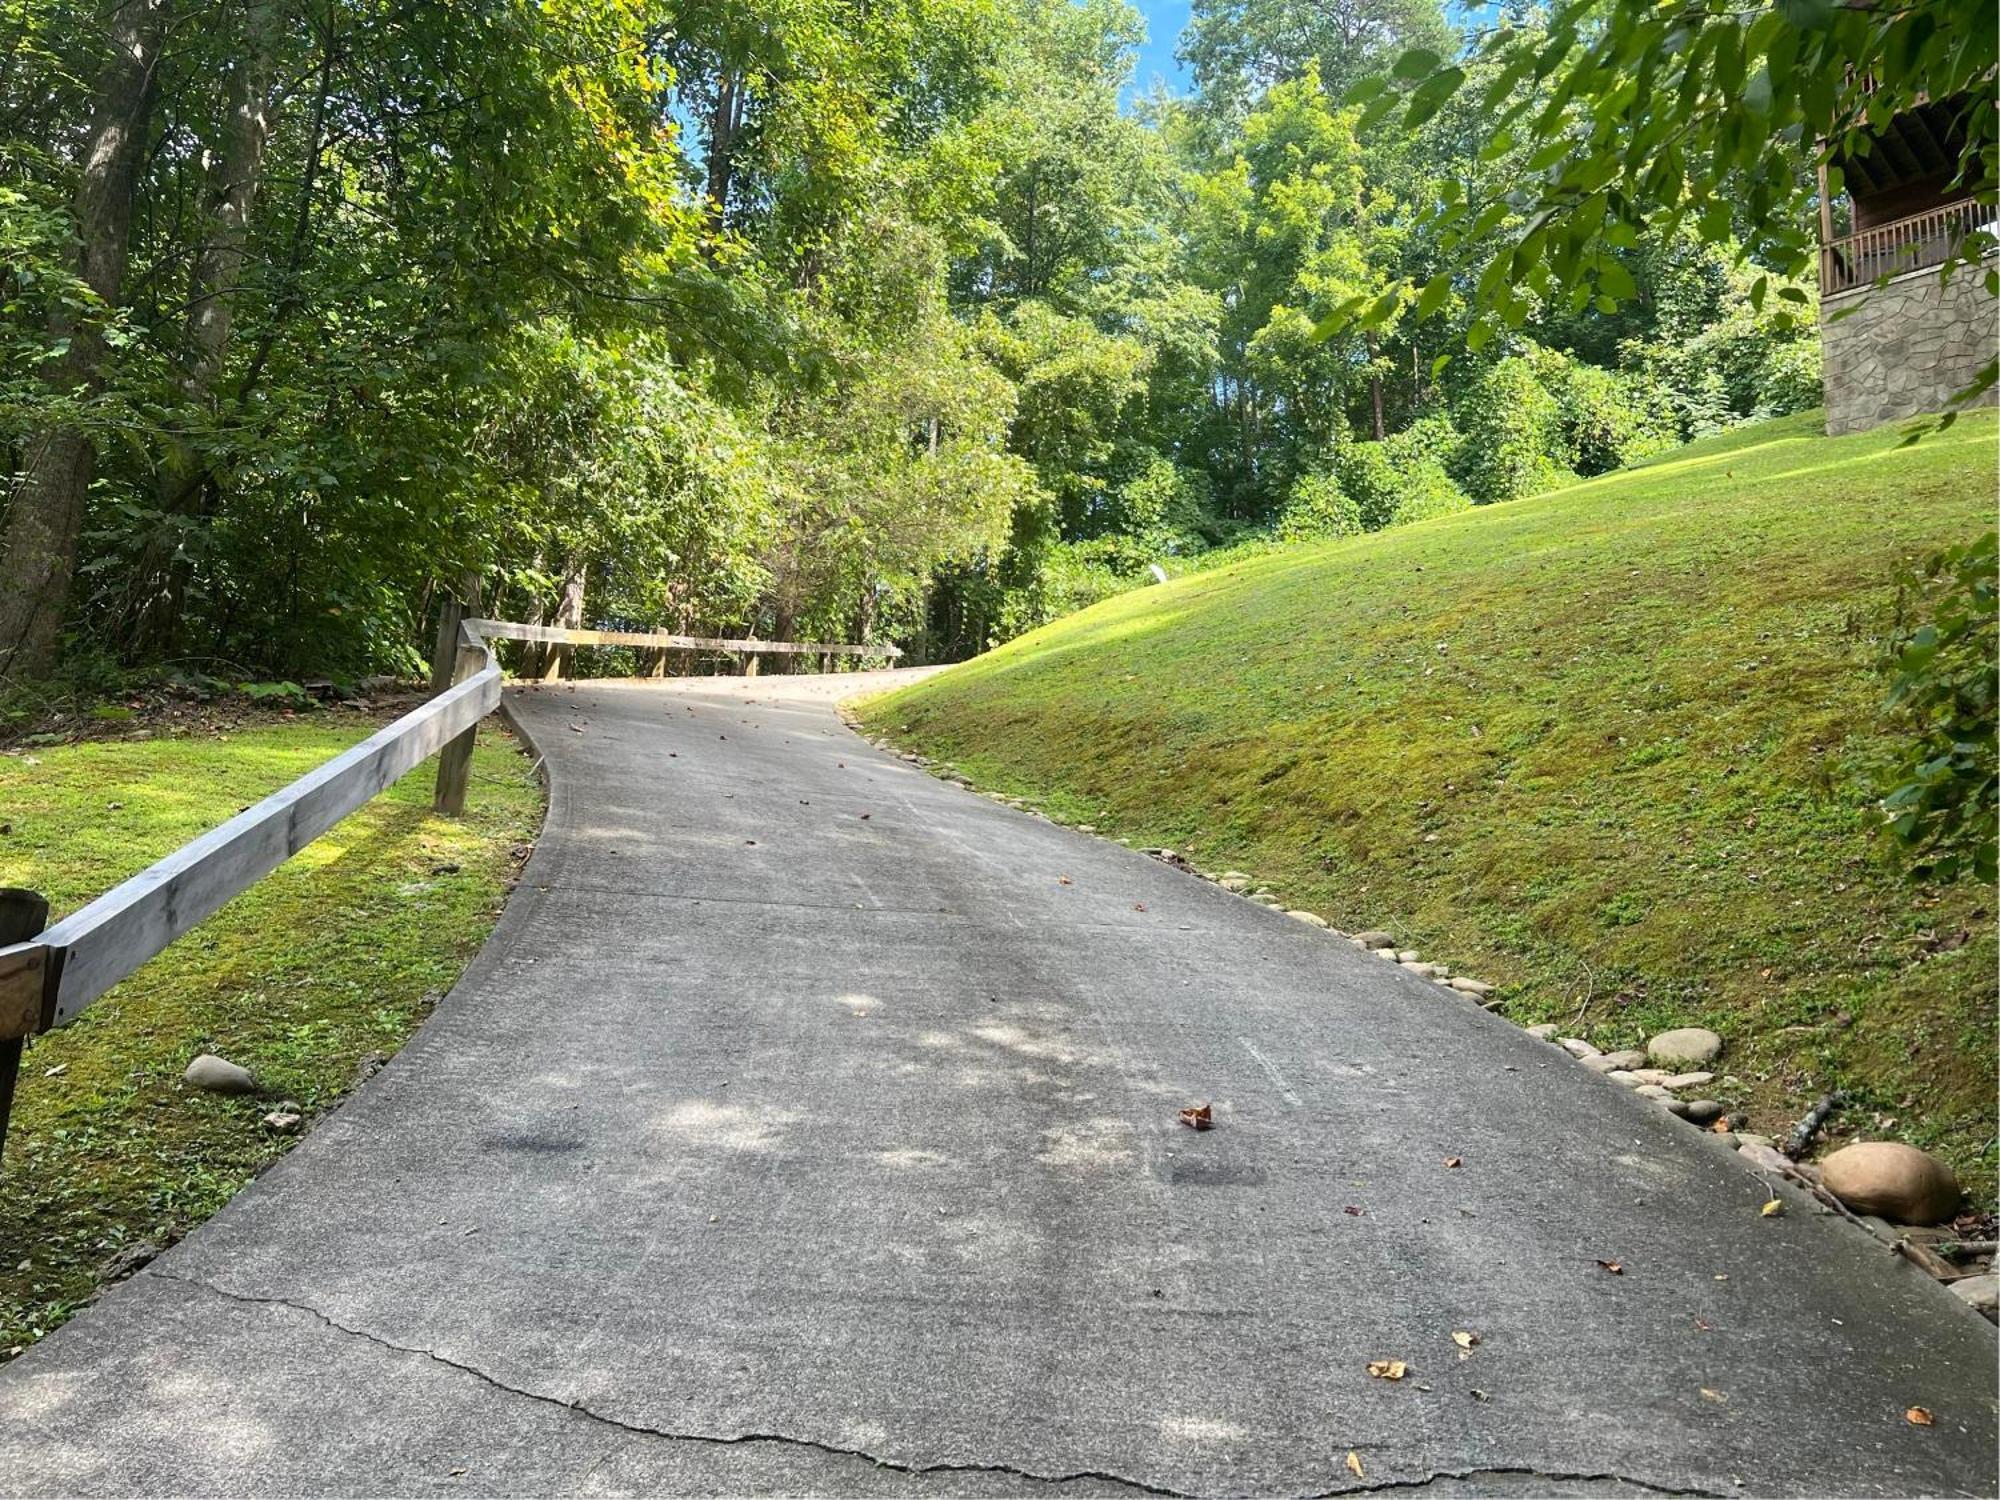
1351	1209
1616	1268
1198	1117
1465	1340
1919	1416
865	817
1716	1396
1064	880
1772	1209
1388	1369
1138	906
1454	1161
1354	1464
1721	1126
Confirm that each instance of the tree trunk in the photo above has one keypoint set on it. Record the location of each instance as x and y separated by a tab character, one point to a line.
184	488
1375	390
723	123
38	551
560	660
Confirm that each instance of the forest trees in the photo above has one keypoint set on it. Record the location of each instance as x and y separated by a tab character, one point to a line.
874	321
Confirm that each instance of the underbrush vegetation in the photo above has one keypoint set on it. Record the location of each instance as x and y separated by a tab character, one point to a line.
331	960
1618	748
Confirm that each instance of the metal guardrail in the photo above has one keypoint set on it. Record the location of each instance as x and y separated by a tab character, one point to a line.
48	977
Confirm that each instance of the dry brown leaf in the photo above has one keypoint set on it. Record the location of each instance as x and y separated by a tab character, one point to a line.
1616	1268
1716	1396
1354	1464
1388	1369
1919	1416
1064	880
1198	1117
1454	1161
1138	906
1465	1340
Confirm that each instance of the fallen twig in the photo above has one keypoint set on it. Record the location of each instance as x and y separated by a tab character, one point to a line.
1808	1129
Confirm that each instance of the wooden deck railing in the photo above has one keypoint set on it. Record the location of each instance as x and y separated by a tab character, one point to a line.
1913	244
48	977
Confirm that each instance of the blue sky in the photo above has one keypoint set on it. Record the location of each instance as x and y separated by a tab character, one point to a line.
1165	20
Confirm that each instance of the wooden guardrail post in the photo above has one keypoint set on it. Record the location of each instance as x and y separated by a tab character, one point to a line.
23	914
455	760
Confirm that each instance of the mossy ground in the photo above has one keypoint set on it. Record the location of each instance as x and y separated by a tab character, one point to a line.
1609	747
335	955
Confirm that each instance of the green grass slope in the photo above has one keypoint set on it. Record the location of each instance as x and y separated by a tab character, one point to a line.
1605	747
336	954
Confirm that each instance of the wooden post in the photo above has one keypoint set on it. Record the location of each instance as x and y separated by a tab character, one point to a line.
455	760
749	663
23	914
456	609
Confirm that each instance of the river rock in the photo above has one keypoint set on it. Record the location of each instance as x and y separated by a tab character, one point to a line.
1689	1080
1891	1179
1479	989
1623	1077
1651	1091
218	1075
1407	955
1374	939
1702	1111
1544	1031
1310	918
1576	1046
1981	1292
1627	1060
1599	1064
1238	883
1691	1046
1652	1075
1770	1158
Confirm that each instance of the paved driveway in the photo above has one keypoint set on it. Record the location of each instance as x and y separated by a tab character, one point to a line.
809	1125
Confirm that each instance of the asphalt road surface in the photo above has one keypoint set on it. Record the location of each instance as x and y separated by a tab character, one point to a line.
809	1126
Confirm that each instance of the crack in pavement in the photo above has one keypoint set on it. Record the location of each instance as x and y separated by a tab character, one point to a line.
719	1440
1554	1476
832	1450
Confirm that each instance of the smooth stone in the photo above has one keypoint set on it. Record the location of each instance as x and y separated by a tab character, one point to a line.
1652	1091
1599	1064
1578	1047
1374	939
1623	1077
1544	1031
1689	1046
1234	883
1751	1138
1425	971
283	1121
1891	1179
1388	953
1770	1158
1310	918
1651	1075
1627	1060
1689	1080
218	1075
1479	989
1980	1292
1675	1107
1702	1111
1407	955
1264	899
1727	1138
1236	875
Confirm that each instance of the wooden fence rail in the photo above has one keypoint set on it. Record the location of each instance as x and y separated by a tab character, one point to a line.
48	976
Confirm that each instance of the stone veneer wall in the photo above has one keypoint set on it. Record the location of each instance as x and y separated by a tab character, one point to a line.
1913	345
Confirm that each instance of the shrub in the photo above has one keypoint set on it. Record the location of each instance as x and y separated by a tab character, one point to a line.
1941	803
1791	378
1319	506
1610	420
1512	435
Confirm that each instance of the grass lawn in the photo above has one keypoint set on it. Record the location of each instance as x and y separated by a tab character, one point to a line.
334	956
1607	747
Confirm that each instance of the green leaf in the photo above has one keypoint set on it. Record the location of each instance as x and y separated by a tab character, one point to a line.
1415	63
